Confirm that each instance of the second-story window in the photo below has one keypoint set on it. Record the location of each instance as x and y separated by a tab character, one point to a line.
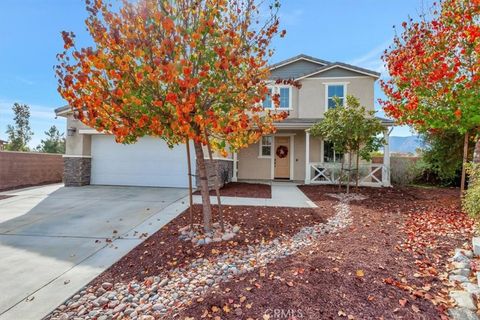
267	103
284	95
335	90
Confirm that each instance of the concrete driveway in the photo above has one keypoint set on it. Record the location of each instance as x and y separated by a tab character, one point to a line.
48	236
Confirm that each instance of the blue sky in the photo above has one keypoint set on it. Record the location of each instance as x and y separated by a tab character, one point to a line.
352	31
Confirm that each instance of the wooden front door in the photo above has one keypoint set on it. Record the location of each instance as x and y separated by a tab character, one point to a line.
282	157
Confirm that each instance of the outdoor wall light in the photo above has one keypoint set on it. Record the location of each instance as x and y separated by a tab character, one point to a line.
71	131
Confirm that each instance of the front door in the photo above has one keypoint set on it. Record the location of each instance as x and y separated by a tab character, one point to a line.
282	157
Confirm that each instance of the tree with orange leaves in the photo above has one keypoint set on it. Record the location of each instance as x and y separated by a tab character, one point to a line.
435	72
177	70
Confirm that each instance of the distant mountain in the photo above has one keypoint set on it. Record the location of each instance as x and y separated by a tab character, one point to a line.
405	144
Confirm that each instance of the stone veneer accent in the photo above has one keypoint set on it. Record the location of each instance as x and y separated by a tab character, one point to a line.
225	172
77	171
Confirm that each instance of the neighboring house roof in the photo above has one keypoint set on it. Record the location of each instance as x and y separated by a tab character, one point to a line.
3	141
62	110
307	66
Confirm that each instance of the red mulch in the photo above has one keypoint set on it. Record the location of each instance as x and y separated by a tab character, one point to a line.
163	250
244	190
346	275
374	269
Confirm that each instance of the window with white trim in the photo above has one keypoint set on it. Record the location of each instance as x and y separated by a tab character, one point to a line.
266	146
285	96
329	153
335	90
267	103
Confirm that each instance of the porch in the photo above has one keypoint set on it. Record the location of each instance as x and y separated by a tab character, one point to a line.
292	154
369	174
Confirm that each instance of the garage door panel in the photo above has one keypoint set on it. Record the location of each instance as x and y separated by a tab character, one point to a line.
149	162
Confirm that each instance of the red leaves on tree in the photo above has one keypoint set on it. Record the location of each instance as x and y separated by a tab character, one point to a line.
434	68
174	70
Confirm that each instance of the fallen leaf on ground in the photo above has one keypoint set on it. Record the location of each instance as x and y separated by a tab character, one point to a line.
360	273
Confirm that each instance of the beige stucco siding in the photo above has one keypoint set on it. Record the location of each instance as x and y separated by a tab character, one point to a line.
312	101
252	167
78	144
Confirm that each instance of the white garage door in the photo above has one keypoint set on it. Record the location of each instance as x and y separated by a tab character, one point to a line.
148	162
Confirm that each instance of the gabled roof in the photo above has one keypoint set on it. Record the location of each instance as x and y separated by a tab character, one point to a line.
323	65
341	65
302	56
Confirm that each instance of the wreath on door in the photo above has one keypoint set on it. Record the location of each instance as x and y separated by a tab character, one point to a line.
282	151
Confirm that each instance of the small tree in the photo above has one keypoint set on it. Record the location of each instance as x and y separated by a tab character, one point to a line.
178	70
352	130
54	143
19	134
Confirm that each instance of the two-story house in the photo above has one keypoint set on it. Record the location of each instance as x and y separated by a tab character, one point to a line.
290	154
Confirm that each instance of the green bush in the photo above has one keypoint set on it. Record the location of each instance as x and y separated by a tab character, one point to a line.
441	158
471	198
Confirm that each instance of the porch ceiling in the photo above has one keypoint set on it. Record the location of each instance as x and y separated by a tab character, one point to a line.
306	123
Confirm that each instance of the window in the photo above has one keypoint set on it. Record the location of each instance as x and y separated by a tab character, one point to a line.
284	95
266	146
284	98
329	153
335	90
267	103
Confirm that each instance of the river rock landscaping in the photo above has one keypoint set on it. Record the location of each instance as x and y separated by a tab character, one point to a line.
163	295
378	253
464	276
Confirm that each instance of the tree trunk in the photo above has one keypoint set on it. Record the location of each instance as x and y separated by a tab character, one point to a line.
341	174
202	176
357	176
464	164
476	152
349	171
216	184
190	187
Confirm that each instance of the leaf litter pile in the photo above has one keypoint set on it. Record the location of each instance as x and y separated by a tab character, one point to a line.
390	263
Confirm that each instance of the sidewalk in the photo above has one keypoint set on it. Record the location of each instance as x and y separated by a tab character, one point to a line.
284	194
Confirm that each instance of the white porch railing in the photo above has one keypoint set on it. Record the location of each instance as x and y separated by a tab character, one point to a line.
370	175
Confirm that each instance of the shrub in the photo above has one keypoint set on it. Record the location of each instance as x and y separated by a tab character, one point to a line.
471	198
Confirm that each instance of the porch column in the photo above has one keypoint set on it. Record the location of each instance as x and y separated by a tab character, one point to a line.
386	160
234	177
307	157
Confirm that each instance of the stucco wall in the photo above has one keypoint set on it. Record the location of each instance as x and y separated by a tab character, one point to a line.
78	144
251	167
23	169
312	94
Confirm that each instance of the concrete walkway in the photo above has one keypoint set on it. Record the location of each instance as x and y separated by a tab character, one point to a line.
284	194
48	236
